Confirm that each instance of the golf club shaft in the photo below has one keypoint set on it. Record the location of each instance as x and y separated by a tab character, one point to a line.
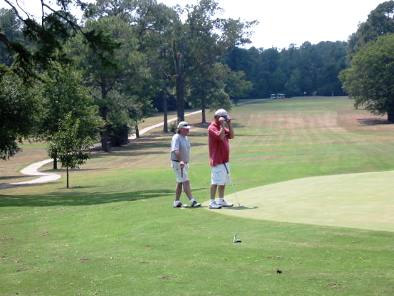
232	185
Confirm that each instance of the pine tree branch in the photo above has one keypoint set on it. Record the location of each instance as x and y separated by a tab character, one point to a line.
20	7
15	10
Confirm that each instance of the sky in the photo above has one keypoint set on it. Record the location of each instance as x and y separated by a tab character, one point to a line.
285	22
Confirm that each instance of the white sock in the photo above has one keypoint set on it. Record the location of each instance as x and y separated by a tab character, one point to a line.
192	199
212	200
221	199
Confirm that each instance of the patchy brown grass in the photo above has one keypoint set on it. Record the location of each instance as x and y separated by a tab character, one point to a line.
265	129
152	149
30	153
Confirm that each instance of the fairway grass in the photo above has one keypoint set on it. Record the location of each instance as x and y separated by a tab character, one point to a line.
115	232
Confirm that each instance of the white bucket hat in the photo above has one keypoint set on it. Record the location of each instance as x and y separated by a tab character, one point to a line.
183	124
221	113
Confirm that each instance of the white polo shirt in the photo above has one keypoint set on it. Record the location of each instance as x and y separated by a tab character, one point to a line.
182	144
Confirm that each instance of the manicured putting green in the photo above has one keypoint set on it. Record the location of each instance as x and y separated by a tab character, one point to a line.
362	200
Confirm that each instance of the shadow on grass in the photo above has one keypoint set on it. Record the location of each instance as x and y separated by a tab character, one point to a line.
373	121
241	208
5	178
11	177
78	198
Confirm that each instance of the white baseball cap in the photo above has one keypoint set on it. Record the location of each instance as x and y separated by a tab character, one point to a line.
183	124
221	112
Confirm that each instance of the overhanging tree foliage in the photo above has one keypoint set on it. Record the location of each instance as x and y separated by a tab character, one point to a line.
30	54
11	27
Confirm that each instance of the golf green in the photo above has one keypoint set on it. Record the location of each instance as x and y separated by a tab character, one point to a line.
361	200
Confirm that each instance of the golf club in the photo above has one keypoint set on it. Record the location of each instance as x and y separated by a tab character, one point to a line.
232	186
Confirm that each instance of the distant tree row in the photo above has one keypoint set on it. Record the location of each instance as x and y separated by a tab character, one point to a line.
295	71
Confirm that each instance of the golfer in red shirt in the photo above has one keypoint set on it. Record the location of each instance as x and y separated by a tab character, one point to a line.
219	132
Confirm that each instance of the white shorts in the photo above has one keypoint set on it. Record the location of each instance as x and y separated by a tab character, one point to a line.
220	174
181	175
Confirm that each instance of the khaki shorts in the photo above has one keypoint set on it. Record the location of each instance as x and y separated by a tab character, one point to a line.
220	174
180	175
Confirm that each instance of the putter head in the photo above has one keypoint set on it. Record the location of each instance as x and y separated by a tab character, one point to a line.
236	240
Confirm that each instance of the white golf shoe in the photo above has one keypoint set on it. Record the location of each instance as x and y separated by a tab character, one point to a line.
223	203
177	204
213	205
195	204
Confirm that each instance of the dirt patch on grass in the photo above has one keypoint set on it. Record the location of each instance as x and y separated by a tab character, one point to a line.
359	120
293	120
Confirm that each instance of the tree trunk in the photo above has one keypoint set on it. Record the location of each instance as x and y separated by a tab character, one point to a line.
67	177
105	138
105	141
54	160
125	135
180	84
390	116
180	99
137	131
165	116
203	116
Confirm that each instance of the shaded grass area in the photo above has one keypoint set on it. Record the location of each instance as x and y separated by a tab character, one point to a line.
115	233
76	198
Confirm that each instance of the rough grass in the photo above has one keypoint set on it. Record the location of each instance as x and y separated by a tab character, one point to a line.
115	233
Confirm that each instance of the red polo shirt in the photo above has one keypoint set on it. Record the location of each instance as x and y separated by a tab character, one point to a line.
219	150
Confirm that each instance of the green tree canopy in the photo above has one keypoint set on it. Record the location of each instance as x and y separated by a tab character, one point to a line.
370	79
208	39
19	109
120	80
311	69
71	143
380	22
62	92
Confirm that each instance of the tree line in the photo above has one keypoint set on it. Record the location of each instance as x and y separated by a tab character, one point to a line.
110	70
311	69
